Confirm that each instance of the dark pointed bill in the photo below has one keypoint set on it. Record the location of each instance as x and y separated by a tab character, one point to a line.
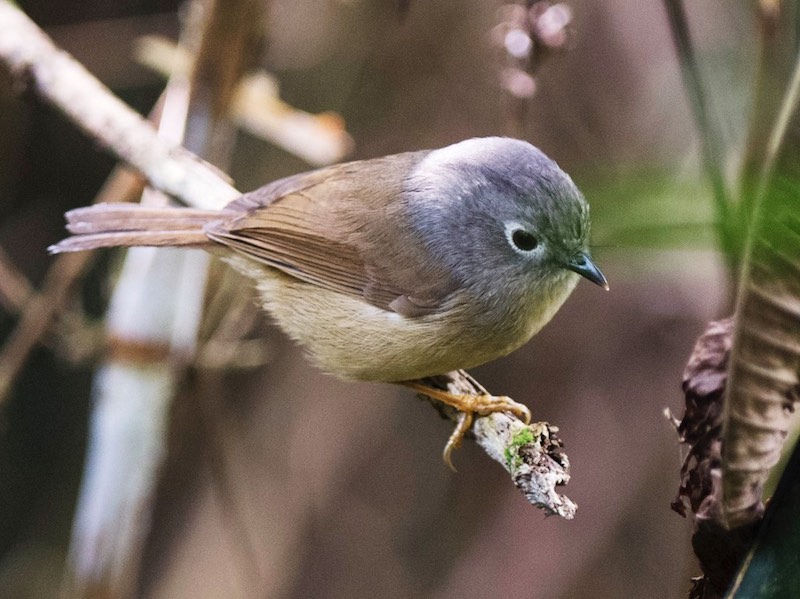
584	266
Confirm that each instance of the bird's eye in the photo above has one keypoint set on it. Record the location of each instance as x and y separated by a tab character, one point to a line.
524	241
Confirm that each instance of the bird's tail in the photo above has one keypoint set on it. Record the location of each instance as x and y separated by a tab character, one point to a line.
125	225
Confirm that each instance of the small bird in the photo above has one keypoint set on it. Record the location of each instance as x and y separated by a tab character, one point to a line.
397	268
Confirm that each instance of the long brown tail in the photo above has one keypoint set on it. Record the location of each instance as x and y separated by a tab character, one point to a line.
125	225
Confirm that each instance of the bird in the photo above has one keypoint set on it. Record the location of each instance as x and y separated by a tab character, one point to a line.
397	268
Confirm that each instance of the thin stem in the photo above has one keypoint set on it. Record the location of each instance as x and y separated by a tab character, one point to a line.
709	135
15	290
778	134
775	32
41	309
31	57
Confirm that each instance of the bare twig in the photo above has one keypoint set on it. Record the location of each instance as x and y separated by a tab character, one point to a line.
41	309
33	59
531	454
316	138
15	289
169	292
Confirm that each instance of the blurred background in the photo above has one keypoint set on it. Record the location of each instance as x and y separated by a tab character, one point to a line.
338	490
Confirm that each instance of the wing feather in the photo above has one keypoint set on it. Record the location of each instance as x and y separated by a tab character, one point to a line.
328	228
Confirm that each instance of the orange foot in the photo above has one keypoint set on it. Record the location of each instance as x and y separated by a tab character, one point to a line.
469	405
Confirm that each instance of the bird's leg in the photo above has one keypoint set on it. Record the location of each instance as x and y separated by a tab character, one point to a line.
454	442
469	405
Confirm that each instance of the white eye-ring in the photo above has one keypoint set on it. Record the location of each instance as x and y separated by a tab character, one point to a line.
520	239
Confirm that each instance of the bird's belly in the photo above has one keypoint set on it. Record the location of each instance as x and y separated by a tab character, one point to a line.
356	340
353	339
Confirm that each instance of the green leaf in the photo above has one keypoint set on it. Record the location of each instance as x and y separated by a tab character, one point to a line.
765	359
772	568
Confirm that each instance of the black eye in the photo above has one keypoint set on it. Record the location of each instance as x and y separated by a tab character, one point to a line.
524	240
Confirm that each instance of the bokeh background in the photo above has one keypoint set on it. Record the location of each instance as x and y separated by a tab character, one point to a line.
340	487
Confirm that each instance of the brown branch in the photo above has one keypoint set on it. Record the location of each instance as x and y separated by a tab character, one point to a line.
41	309
319	139
532	454
15	290
194	114
32	58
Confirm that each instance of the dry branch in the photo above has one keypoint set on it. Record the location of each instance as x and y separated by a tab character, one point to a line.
319	139
15	290
531	454
38	314
59	79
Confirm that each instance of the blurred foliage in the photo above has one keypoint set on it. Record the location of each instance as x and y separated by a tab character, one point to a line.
651	209
759	231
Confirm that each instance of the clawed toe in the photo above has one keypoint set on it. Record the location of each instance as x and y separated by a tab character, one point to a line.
469	405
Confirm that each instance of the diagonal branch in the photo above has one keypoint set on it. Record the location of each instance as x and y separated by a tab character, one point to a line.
39	312
33	59
532	454
15	290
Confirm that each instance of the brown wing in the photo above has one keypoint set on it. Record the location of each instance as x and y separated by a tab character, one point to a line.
329	228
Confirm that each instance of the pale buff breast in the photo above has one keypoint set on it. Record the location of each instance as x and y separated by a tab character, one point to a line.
355	340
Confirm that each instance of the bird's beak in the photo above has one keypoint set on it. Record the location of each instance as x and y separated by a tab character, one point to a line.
584	266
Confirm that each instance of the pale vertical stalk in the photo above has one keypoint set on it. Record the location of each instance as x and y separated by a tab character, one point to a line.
128	426
154	314
152	323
